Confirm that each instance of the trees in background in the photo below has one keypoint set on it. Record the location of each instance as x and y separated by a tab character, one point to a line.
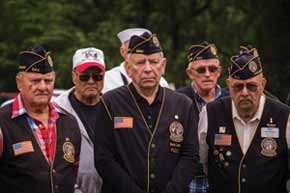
63	26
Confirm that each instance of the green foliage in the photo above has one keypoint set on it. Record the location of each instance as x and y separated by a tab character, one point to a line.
63	26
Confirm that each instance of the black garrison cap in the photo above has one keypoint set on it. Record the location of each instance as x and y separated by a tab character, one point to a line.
144	44
245	65
36	60
202	51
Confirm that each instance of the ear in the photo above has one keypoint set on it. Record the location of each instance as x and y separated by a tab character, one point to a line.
189	73
124	50
19	81
219	71
264	82
164	62
128	68
228	81
74	77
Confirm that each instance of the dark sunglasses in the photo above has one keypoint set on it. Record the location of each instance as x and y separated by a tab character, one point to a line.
202	69
240	86
95	77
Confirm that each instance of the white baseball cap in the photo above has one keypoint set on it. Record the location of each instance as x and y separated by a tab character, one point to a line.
125	35
85	58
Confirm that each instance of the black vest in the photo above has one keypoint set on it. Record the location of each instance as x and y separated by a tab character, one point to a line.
30	172
137	148
232	172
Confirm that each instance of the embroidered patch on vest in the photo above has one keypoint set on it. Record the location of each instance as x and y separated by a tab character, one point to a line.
22	148
123	122
176	131
269	147
223	139
69	152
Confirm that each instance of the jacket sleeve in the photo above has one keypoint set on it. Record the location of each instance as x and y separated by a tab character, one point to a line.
115	178
184	170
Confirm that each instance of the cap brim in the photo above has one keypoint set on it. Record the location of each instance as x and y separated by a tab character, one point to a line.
84	66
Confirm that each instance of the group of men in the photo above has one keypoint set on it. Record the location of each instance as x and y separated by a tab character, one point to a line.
125	131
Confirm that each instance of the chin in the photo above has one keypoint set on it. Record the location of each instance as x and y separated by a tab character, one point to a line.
91	94
41	102
149	85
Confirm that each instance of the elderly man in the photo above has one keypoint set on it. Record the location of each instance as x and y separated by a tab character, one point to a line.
147	138
39	142
203	70
244	139
118	76
81	101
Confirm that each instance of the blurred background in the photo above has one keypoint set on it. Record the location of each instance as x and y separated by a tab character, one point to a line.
62	26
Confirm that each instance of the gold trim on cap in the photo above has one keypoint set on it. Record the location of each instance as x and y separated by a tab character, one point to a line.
213	49
145	40
242	68
46	57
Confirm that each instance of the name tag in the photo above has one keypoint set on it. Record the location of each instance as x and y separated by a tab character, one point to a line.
271	132
123	122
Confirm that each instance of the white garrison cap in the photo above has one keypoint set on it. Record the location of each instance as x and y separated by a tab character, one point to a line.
126	34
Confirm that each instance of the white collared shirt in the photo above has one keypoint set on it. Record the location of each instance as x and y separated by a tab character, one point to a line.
245	131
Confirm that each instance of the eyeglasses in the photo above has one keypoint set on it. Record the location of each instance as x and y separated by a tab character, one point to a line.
202	69
240	86
95	77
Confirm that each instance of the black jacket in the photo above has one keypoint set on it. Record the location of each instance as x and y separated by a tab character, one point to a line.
137	160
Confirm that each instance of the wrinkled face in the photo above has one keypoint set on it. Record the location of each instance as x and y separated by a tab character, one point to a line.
246	93
204	73
89	83
146	70
35	88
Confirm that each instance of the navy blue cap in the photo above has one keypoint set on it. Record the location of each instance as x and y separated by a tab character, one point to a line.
202	51
36	60
144	44
246	65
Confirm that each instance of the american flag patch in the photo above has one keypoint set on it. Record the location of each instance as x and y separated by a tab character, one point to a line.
123	122
22	147
223	139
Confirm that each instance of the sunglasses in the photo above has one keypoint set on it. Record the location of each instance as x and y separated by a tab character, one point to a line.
202	69
95	77
240	86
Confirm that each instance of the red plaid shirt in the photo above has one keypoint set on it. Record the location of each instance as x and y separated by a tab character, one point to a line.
46	137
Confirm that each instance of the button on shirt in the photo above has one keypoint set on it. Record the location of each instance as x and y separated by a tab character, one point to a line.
245	131
149	111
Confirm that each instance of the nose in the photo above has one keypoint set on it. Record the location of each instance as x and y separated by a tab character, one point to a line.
244	91
207	72
91	80
147	67
42	85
